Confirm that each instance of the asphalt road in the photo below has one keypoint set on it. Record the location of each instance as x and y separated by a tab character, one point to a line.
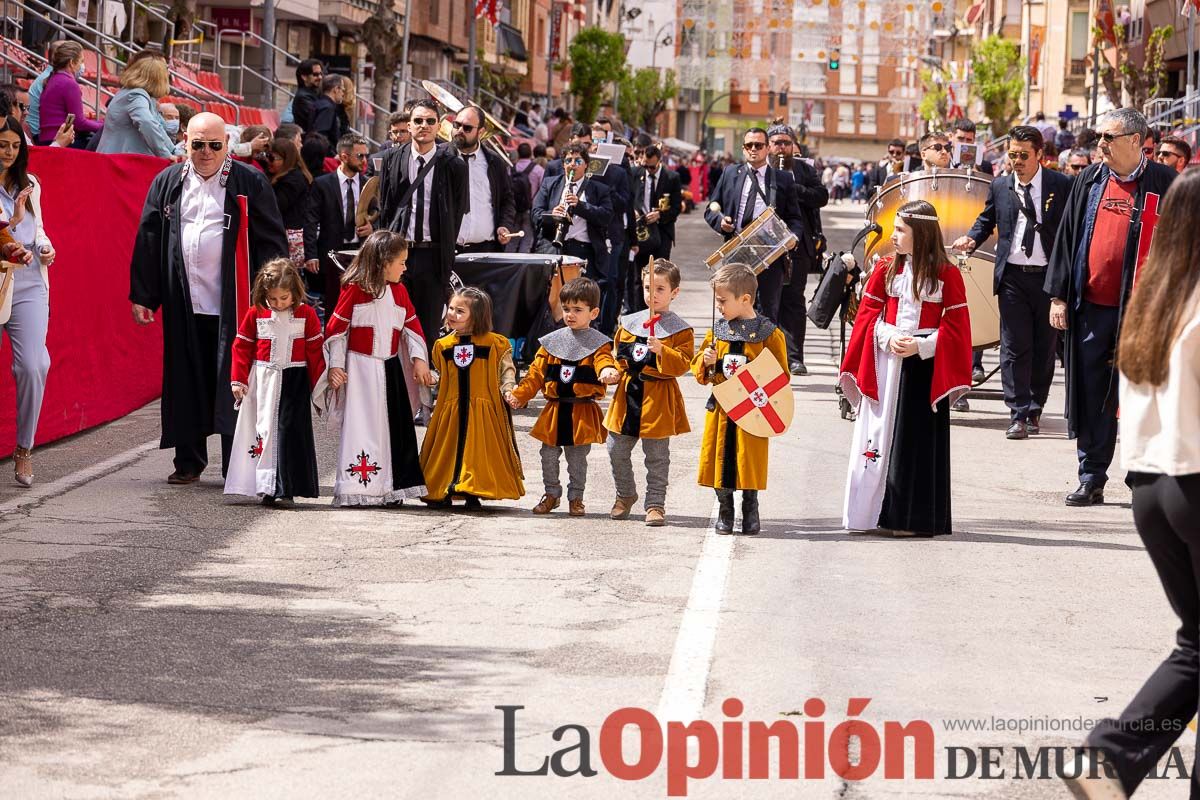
157	642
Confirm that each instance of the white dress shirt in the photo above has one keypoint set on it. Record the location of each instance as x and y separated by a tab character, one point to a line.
414	168
1016	254
647	201
356	187
578	230
202	226
760	205
478	223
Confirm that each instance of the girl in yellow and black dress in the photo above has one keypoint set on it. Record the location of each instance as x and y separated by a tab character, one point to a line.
470	451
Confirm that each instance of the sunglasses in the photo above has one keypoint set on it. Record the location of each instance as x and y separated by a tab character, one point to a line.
1148	150
23	106
895	152
1019	155
1169	154
573	161
754	145
1109	138
464	127
939	147
215	145
424	121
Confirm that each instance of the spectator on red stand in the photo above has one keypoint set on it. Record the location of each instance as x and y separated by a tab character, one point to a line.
290	180
62	97
133	122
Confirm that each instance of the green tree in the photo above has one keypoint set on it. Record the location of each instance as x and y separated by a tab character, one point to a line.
998	79
382	36
644	95
935	101
1142	82
597	58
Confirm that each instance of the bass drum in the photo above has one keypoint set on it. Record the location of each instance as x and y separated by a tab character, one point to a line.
977	271
959	196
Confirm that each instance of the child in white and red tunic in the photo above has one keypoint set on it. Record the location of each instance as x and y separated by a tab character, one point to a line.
908	360
277	361
376	353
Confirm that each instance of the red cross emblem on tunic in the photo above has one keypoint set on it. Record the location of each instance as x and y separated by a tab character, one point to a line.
871	454
640	351
1149	220
363	468
256	450
464	354
565	373
731	364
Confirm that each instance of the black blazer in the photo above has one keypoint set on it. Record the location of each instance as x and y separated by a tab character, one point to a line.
878	175
596	208
780	191
328	121
811	196
1003	207
620	188
451	196
291	193
504	210
668	186
325	222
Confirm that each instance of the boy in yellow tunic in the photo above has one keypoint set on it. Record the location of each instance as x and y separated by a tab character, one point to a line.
654	347
571	369
469	450
730	458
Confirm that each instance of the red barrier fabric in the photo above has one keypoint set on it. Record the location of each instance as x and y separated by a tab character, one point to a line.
102	365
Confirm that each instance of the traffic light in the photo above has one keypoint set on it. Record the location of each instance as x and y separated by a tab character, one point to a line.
835	59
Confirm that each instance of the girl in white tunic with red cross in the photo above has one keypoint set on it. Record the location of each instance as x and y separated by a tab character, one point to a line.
276	363
371	337
908	359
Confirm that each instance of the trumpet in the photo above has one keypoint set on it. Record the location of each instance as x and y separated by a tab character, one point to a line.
492	127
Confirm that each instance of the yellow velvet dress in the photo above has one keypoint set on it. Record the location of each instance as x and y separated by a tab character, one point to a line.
469	449
730	458
647	403
567	371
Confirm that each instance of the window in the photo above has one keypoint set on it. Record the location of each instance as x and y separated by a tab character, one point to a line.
817	120
849	78
866	118
433	14
845	118
870	79
541	36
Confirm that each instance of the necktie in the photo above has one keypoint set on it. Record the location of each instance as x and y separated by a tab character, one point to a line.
1030	221
755	190
571	188
653	186
419	228
348	233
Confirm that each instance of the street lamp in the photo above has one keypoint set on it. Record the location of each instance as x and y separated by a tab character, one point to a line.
668	40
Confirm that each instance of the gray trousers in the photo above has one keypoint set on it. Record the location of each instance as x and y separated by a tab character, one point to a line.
30	358
658	467
576	470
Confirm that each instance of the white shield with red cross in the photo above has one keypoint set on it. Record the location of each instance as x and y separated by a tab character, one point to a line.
758	397
565	373
731	364
639	352
464	354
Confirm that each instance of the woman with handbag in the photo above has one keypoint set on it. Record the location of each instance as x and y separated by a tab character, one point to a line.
25	311
291	180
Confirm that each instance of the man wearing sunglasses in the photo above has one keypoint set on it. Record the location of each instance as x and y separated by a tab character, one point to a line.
742	195
1104	237
896	163
331	218
1025	208
487	226
423	195
936	151
185	261
1174	152
585	201
1078	160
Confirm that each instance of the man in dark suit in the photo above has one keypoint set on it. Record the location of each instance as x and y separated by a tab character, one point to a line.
616	180
897	163
487	226
326	119
1026	208
811	196
743	193
584	201
329	221
423	194
658	202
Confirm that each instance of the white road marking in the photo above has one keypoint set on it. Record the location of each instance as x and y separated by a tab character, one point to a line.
66	483
686	685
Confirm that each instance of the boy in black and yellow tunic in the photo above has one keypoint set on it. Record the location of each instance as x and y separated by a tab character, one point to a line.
571	369
654	347
731	458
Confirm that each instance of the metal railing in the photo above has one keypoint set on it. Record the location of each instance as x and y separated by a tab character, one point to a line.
193	51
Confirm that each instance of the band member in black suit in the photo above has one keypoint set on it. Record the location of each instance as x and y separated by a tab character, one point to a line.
897	163
1025	208
487	226
423	194
742	194
329	221
658	201
812	196
963	132
584	201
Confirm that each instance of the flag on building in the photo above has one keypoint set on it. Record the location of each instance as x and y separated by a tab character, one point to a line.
489	9
1106	22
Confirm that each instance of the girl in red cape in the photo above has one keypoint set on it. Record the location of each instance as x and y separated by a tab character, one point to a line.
908	359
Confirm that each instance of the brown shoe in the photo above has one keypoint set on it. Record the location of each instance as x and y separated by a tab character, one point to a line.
621	507
656	517
178	478
23	466
576	508
546	504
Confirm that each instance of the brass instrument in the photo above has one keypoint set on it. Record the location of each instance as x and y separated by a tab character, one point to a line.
492	127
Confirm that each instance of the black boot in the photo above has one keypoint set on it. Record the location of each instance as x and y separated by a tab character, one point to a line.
725	513
750	523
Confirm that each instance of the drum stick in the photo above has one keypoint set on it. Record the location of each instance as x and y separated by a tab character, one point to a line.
516	235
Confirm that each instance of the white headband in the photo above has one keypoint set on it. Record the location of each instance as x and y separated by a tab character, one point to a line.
911	215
